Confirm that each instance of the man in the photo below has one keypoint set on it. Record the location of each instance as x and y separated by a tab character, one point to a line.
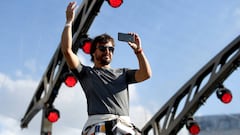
106	89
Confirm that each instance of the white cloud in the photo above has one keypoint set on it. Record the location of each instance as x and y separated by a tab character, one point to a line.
72	104
84	58
139	115
133	93
10	126
18	86
7	125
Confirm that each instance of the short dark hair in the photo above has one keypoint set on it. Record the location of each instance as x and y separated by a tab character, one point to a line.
102	39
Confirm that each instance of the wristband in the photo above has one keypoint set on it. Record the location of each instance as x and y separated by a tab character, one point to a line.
68	25
139	51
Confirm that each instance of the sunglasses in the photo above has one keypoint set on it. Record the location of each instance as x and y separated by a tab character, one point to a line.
104	48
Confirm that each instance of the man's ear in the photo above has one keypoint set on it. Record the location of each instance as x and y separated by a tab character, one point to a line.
93	54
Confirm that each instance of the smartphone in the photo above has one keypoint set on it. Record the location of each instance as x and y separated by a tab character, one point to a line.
125	37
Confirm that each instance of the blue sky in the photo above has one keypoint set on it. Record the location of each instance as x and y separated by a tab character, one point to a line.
178	37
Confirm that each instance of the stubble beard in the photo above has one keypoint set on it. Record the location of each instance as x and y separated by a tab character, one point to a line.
103	61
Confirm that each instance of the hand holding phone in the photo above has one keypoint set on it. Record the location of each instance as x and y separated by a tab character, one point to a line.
126	37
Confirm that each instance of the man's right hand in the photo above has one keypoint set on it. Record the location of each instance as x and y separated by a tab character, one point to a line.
70	12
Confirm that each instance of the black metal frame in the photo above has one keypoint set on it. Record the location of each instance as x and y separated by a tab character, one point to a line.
194	93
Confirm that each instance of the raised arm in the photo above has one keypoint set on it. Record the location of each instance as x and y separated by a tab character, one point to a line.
66	40
144	72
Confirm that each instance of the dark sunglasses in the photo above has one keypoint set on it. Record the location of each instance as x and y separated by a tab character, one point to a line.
104	48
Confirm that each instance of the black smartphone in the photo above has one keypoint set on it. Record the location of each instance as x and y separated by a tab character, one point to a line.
125	37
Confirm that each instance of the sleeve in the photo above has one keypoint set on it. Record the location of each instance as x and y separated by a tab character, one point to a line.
78	71
130	76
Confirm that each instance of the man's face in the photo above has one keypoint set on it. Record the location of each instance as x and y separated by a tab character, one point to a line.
103	54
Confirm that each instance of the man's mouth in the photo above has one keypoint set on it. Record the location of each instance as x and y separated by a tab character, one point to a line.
106	56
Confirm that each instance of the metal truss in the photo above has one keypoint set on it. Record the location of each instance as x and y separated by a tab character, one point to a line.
189	98
51	81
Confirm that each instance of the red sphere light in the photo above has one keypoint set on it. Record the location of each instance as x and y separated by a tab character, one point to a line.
52	115
192	126
194	129
224	95
70	80
115	3
87	47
